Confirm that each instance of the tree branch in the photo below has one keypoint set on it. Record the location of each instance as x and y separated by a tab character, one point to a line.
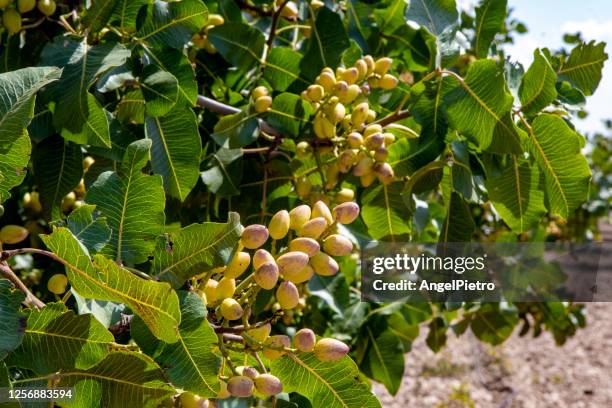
30	299
273	25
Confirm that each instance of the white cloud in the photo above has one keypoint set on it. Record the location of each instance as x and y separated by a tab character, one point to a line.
590	29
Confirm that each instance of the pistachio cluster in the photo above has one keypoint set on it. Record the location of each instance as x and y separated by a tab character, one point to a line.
12	12
200	39
261	99
343	118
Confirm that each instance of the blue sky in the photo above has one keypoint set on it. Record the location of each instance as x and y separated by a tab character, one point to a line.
547	21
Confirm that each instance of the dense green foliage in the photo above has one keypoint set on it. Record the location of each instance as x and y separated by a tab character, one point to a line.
148	148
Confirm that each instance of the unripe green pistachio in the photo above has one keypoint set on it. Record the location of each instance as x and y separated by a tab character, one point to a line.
26	5
226	288
306	245
355	140
247	371
210	290
263	103
299	216
303	275
240	386
382	65
254	236
279	225
320	209
313	228
13	234
303	187
11	19
346	213
268	385
260	333
324	265
337	245
287	295
384	172
47	7
275	341
215	19
239	263
191	400
328	349
231	309
57	284
266	276
305	340
260	257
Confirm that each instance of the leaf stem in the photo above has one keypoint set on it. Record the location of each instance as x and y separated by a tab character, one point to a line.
30	299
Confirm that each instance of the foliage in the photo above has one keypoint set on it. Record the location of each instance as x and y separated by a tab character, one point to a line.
194	180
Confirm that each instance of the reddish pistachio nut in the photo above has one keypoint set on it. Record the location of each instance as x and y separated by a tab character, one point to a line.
346	160
300	276
247	371
261	333
273	346
363	167
374	141
320	209
254	236
239	263
267	275
384	172
287	295
191	400
268	385
328	349
337	245
355	140
299	216
294	260
260	257
279	225
346	213
231	309
304	340
240	386
306	245
314	228
324	264
225	288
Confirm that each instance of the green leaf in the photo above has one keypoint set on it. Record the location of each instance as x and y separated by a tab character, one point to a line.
236	130
58	168
190	363
5	382
240	44
125	14
56	339
458	224
330	384
537	89
283	68
155	302
177	64
196	249
327	43
12	320
15	158
17	95
385	359
556	149
78	112
493	323
171	24
159	89
435	15
175	153
490	17
98	14
138	383
584	66
133	204
518	194
392	17
131	108
425	179
289	114
384	212
89	228
224	172
479	105
436	338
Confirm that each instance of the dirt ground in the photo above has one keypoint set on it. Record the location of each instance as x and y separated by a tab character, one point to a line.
521	373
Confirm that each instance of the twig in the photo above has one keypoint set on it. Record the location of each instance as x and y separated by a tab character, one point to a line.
396	117
30	299
272	34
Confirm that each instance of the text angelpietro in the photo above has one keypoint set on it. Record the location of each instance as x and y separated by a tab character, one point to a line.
424	285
